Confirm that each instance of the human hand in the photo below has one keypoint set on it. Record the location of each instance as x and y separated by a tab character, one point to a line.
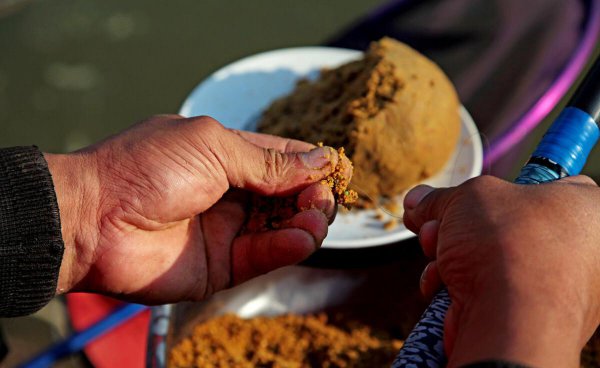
521	263
154	214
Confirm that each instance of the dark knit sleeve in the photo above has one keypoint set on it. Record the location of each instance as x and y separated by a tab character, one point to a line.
31	245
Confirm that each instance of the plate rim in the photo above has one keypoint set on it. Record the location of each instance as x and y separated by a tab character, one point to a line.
185	107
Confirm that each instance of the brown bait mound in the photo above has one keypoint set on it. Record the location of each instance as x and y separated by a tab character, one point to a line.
287	341
395	112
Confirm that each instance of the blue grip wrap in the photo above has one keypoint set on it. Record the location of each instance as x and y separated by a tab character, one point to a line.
569	140
424	347
536	174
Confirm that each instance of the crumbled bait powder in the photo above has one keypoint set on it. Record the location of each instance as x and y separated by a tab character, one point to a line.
287	341
338	183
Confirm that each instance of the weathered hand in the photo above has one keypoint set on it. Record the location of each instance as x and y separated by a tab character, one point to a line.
154	214
521	263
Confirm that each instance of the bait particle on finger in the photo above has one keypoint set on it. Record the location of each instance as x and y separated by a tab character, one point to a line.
337	181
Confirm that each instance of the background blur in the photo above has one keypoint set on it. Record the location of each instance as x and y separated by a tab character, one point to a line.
75	71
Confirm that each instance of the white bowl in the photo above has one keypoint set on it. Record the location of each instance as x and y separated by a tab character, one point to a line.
237	94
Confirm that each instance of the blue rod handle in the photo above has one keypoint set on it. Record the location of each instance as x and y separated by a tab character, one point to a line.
80	339
562	152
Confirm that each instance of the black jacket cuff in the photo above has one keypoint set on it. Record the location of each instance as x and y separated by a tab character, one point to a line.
31	244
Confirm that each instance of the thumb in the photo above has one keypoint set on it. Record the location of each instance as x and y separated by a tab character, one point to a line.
424	203
268	171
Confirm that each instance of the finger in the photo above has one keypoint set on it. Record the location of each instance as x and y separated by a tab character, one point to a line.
313	221
318	196
258	253
431	281
424	203
268	171
287	145
275	142
416	195
428	235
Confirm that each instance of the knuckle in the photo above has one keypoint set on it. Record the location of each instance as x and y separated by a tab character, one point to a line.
584	179
207	123
484	182
157	121
481	187
166	117
206	133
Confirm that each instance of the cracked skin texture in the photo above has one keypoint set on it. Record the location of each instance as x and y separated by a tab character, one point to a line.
395	112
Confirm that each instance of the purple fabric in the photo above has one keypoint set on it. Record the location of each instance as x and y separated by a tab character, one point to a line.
553	95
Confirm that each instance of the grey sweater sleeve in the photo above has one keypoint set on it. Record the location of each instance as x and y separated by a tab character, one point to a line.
31	245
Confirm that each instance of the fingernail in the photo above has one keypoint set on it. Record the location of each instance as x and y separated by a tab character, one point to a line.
317	158
416	195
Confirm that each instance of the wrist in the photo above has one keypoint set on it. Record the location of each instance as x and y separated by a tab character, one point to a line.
75	183
530	330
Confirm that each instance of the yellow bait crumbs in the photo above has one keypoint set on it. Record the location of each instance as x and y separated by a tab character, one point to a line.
338	183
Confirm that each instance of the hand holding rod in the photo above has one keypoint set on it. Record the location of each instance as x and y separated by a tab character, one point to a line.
562	152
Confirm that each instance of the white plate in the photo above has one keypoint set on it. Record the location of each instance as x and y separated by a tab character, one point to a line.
238	93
